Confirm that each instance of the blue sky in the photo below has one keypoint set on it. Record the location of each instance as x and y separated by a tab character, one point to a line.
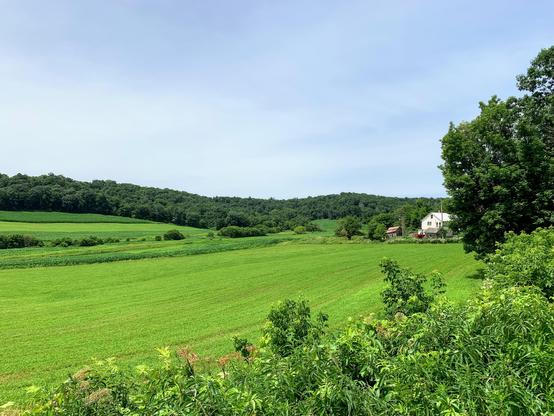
254	98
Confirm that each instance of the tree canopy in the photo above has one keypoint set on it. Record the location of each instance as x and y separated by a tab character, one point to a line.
348	227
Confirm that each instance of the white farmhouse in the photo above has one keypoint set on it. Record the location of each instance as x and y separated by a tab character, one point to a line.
433	221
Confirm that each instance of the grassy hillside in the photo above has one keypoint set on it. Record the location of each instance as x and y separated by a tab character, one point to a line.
43	216
54	319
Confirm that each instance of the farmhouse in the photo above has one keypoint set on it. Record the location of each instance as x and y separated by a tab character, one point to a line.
433	222
394	232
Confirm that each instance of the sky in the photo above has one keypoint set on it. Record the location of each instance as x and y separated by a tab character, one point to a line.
254	98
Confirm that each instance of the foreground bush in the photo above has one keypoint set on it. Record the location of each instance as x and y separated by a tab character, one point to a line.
290	325
406	293
525	260
492	356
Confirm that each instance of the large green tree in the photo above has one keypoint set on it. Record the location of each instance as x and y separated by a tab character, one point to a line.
499	168
348	227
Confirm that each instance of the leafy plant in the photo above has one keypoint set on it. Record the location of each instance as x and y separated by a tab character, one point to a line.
289	324
525	260
243	347
406	293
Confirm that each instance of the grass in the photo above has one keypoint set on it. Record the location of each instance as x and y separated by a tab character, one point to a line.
50	231
54	319
328	227
42	216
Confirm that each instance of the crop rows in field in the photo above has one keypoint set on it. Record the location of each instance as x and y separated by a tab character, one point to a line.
53	256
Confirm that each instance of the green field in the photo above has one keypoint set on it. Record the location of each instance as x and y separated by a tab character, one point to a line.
134	250
41	216
50	231
197	292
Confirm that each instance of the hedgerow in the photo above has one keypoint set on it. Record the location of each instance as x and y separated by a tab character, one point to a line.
234	231
89	241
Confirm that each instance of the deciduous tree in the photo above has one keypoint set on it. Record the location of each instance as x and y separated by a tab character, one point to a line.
499	167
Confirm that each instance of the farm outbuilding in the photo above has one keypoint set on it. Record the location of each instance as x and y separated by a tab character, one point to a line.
394	232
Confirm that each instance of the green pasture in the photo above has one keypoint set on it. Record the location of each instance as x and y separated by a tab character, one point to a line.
41	216
50	231
54	319
328	227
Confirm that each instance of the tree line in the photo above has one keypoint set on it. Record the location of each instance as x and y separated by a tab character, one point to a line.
58	193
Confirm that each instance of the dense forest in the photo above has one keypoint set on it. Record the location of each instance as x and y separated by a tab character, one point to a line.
58	193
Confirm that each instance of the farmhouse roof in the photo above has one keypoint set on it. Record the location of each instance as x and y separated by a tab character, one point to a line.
445	216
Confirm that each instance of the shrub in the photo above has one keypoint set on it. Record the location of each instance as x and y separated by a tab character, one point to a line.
524	260
289	324
300	229
62	242
89	241
158	238
111	240
19	241
406	292
173	235
312	227
210	235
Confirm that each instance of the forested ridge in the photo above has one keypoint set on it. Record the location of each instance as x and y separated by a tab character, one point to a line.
58	193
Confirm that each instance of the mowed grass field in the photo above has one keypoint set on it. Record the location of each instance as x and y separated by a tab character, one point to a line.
55	319
50	231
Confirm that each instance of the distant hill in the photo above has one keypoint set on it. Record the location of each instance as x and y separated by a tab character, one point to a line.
58	193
